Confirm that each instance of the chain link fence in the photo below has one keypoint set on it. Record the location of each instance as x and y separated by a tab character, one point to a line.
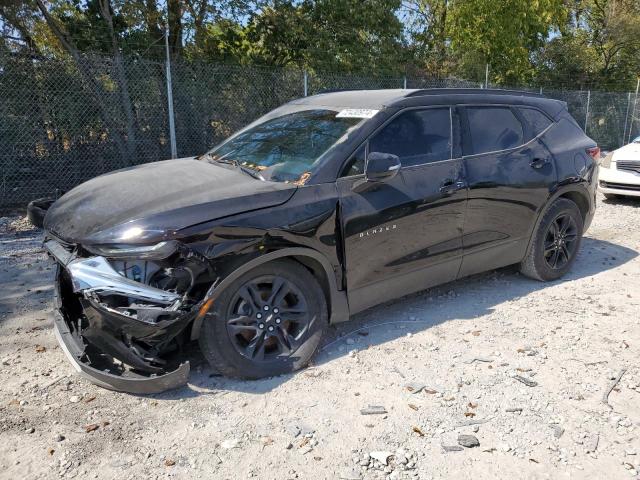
66	121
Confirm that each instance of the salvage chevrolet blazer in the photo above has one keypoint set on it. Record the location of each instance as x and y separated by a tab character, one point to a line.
320	209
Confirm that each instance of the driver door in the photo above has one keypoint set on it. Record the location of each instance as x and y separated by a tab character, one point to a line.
404	234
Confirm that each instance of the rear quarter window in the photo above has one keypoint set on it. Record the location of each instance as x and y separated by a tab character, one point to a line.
493	129
538	121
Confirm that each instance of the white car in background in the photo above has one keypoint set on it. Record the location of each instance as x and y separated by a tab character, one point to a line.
620	171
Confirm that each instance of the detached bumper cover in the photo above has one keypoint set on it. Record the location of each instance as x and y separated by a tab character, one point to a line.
129	383
99	342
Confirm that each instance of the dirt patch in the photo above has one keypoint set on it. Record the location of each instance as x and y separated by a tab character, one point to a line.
494	376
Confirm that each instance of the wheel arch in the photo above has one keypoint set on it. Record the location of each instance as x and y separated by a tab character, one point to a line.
574	192
311	259
581	199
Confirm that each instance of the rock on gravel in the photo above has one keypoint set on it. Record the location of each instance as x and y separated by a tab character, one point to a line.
381	456
373	410
230	443
350	474
468	441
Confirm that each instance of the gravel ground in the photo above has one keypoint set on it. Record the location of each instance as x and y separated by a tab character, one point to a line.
495	376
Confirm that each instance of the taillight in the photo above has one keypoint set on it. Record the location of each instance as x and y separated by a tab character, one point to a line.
594	153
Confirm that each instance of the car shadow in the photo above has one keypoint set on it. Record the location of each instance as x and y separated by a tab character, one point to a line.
475	296
621	200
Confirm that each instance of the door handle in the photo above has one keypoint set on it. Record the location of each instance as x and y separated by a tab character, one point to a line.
538	162
450	186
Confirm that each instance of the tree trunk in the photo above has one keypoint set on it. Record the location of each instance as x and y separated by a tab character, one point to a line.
12	18
174	9
121	79
89	79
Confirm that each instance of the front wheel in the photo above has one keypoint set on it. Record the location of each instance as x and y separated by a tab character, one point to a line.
267	322
555	242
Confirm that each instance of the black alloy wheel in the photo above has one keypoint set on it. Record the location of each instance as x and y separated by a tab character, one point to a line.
555	242
267	317
561	241
267	322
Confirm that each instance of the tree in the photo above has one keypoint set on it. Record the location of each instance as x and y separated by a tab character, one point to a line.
126	142
597	49
329	35
427	26
502	34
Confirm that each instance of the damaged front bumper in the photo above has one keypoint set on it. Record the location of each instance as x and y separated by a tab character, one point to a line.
123	382
115	348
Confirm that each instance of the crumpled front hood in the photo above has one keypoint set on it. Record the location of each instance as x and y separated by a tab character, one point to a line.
162	196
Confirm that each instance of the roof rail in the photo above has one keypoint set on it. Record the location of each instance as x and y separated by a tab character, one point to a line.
335	90
472	91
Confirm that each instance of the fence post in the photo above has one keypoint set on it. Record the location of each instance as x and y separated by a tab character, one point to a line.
626	119
306	84
633	113
586	116
172	123
486	76
540	90
404	84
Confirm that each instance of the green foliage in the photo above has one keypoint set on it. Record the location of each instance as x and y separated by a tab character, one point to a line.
578	43
330	35
502	34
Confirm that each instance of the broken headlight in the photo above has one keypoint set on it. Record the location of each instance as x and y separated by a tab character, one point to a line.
158	251
606	162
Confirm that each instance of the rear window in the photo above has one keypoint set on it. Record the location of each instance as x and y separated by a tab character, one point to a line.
539	121
493	129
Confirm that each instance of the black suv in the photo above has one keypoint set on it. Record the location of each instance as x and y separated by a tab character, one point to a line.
320	209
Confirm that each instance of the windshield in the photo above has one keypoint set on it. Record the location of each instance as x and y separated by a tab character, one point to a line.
286	148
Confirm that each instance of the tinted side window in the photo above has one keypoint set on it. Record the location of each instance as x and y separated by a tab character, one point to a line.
539	121
416	136
355	165
493	128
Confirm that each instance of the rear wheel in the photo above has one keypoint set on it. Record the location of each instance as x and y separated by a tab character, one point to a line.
555	242
266	323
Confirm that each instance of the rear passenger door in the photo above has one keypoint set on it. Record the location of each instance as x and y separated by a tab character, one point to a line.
510	173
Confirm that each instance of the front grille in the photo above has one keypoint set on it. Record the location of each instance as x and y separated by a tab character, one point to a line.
631	166
619	186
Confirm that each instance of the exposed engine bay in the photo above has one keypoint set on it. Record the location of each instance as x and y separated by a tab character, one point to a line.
178	283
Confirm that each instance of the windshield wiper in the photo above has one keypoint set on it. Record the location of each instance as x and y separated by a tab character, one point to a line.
236	164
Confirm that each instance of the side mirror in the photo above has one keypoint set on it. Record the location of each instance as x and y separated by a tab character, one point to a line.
381	167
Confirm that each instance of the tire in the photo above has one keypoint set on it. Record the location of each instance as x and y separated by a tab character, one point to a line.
538	262
37	209
231	331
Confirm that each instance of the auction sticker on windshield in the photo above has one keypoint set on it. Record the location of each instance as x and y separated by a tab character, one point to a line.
356	113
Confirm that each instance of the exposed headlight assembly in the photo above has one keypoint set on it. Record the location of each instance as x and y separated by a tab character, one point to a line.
606	162
159	251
